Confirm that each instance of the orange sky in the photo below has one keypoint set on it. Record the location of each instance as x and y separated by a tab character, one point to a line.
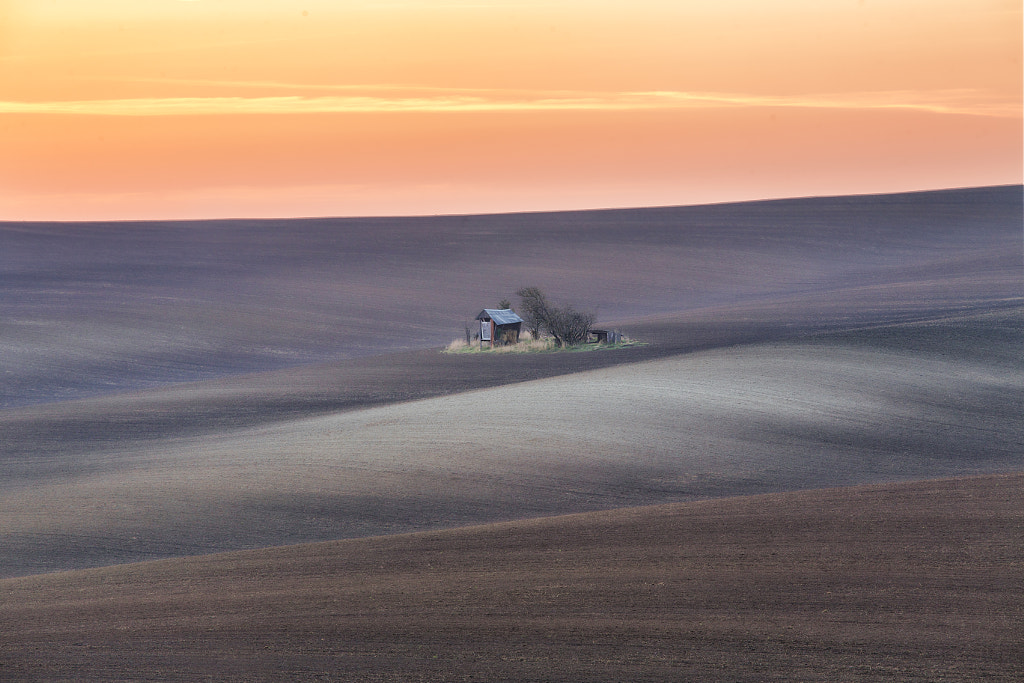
117	109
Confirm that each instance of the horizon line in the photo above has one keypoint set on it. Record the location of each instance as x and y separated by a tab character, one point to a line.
967	188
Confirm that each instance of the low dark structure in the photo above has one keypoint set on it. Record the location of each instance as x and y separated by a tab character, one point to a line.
606	336
499	325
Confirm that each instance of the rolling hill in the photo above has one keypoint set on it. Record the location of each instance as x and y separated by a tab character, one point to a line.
671	511
899	582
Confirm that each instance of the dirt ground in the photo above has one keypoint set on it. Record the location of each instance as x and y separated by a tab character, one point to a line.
175	390
92	309
899	582
158	476
794	344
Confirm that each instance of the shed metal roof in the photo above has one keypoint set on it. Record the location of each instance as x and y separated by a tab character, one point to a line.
500	316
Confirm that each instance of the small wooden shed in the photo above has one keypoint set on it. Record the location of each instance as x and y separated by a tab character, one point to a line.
500	325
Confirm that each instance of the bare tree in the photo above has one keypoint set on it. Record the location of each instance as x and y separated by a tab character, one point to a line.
567	325
533	309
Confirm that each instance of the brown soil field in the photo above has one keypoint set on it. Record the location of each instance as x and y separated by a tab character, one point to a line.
899	582
790	345
811	470
90	309
143	477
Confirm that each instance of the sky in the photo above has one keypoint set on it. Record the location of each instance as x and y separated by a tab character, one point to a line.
161	109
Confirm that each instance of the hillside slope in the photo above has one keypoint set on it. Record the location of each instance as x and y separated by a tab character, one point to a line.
99	308
901	582
880	403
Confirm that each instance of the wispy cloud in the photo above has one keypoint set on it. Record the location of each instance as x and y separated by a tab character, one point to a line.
961	102
313	87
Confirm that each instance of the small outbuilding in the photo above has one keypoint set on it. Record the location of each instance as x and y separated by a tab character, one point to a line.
606	336
500	325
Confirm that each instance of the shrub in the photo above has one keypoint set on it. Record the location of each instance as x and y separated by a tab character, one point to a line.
567	325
